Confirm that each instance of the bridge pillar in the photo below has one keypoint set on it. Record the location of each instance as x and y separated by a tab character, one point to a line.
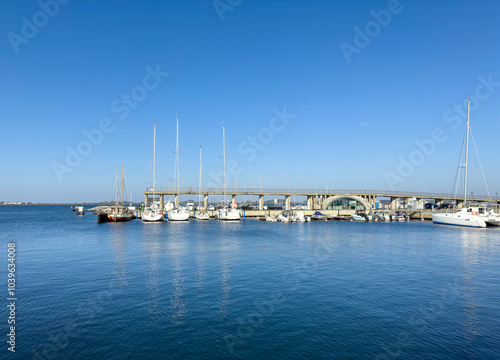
393	202
146	198
287	202
205	201
234	199
176	201
162	203
309	202
261	202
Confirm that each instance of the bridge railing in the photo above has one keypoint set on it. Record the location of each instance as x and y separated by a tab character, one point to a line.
389	193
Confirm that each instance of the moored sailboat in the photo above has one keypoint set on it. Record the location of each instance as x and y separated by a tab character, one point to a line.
227	212
178	213
153	212
467	216
120	213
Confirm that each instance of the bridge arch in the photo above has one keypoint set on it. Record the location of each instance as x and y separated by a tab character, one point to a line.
331	199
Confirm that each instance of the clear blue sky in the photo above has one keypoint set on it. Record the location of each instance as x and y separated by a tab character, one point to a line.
354	120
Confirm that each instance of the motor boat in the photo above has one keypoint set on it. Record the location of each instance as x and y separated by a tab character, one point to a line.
359	215
285	216
382	216
319	216
300	217
400	215
271	218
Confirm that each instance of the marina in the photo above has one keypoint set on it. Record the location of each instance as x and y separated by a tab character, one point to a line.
250	180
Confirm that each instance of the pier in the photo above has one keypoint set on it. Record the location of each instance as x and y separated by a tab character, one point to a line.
320	199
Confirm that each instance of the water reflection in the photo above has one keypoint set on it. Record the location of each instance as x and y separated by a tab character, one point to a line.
177	243
474	247
229	248
201	250
152	248
118	238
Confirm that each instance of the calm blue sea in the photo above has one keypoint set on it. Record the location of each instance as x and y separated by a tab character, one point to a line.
248	290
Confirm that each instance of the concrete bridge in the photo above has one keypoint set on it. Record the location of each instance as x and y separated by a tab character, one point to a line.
317	198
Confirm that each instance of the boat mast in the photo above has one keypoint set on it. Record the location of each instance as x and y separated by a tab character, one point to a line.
123	188
466	152
199	195
117	190
154	161
177	158
224	159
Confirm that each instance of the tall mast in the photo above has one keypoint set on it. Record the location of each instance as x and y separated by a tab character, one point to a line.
224	159
154	160
117	192
177	152
123	188
466	152
199	196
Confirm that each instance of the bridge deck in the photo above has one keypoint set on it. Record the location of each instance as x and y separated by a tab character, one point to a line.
319	192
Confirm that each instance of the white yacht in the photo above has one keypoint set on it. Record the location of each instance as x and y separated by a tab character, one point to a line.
153	212
463	217
467	216
227	212
178	213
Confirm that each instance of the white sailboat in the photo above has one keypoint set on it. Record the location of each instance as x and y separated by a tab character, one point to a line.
178	213
153	212
227	212
467	216
202	214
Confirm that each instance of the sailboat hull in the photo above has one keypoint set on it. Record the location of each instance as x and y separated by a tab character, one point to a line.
459	220
149	215
175	215
120	217
229	215
202	215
